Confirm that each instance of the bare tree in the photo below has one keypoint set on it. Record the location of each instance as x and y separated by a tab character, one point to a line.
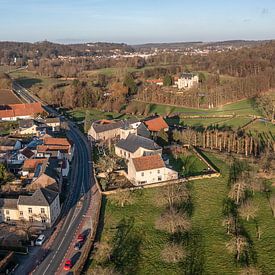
173	221
103	252
238	190
122	197
230	224
248	210
173	253
272	204
173	194
237	245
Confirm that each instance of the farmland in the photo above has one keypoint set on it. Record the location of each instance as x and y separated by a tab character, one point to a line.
8	97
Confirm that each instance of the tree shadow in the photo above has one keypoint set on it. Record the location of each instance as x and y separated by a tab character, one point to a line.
126	247
28	82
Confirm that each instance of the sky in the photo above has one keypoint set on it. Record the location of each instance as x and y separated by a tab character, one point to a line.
136	21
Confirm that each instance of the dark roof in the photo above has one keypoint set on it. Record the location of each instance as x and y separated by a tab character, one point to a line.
187	75
41	197
27	152
52	120
107	125
143	131
26	123
133	142
8	203
7	142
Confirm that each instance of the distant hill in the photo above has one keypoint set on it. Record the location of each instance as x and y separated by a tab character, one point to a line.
199	44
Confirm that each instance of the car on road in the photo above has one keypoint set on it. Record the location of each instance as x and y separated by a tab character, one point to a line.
68	265
78	245
40	240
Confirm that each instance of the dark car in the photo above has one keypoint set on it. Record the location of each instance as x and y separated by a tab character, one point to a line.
78	245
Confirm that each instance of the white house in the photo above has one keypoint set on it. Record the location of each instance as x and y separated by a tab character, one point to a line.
41	208
149	169
136	146
187	81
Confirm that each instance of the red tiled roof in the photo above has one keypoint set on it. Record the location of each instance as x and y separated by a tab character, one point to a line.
45	148
148	163
156	124
57	141
15	110
32	163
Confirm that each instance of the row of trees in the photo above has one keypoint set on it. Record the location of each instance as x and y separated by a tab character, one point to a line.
224	140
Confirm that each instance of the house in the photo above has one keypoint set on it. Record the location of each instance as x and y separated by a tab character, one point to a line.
54	123
156	124
149	169
187	81
140	130
20	156
9	144
136	146
60	148
158	82
109	129
41	208
12	112
31	127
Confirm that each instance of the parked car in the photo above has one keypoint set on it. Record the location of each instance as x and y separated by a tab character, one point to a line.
78	245
68	265
40	240
80	238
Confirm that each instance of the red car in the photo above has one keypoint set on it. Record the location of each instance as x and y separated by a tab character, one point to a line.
80	238
68	265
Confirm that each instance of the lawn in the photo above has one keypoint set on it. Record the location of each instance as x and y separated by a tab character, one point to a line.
209	236
193	166
243	108
29	79
262	126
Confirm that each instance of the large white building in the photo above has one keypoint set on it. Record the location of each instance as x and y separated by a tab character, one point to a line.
41	208
187	81
149	169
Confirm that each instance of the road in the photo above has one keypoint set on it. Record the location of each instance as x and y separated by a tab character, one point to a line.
75	207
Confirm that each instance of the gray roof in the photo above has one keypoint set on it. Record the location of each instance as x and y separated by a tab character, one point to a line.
99	128
27	123
143	131
187	75
8	203
7	142
41	197
133	142
52	120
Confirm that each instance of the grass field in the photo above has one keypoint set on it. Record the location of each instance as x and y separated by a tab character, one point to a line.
28	79
208	246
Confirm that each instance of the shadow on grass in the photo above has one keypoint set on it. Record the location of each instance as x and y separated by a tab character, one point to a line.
28	82
126	247
207	159
195	260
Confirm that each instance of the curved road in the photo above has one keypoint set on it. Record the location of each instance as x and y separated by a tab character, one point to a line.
76	204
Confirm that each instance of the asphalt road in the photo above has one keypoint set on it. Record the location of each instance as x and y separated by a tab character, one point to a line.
74	208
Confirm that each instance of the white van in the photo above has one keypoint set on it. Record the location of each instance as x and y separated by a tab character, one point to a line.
40	240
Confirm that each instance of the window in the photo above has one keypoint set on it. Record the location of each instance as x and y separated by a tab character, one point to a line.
8	219
30	210
43	220
124	154
158	171
142	174
31	219
128	155
21	213
42	210
121	152
159	178
7	212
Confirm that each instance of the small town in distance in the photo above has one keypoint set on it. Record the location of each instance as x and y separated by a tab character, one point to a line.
137	155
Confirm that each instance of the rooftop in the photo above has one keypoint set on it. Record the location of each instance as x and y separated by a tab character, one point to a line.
148	163
156	124
57	141
133	142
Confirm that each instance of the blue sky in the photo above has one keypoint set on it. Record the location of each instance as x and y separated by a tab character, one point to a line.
136	21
